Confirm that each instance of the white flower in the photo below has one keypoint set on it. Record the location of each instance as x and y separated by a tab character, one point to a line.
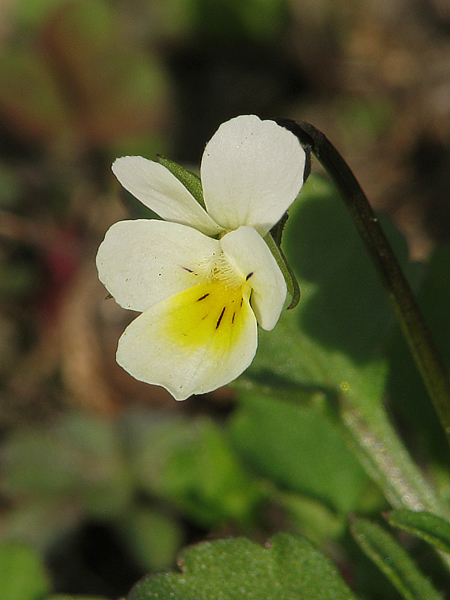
202	279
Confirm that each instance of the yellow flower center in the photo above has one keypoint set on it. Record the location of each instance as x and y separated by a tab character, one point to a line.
210	313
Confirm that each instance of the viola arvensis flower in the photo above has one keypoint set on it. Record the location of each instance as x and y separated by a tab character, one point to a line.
202	278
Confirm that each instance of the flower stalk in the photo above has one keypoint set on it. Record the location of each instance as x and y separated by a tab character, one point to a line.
413	325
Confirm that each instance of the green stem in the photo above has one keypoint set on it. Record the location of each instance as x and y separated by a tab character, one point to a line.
387	461
415	330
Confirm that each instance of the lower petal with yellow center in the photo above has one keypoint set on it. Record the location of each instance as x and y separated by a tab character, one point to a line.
195	341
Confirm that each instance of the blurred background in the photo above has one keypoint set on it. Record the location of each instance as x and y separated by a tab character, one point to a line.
84	479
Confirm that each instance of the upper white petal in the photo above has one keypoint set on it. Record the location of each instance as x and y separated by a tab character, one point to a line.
249	253
144	261
151	352
159	190
251	172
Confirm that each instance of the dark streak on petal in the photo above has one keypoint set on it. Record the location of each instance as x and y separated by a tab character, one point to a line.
220	318
248	276
232	318
202	297
188	270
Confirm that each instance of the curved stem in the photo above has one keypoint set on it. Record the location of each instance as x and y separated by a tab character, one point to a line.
387	461
415	330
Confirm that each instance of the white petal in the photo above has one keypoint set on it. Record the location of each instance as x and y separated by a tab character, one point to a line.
144	261
193	342
249	253
251	172
159	190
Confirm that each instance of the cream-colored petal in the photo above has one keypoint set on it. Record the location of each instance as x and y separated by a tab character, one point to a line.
193	342
144	261
251	172
159	190
249	254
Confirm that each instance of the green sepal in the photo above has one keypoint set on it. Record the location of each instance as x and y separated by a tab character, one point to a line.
190	180
291	280
393	561
430	528
278	229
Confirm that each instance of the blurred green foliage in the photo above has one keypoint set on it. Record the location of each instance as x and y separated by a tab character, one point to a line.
393	561
289	454
73	81
22	573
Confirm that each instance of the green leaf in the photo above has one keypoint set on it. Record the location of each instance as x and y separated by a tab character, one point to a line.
300	450
22	573
288	568
347	309
393	561
191	464
310	517
424	525
77	456
152	537
190	180
42	523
